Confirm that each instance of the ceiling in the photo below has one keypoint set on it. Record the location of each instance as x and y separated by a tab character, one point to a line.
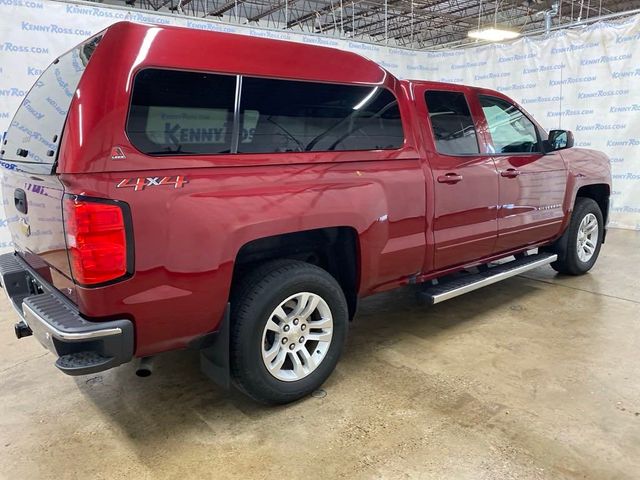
419	24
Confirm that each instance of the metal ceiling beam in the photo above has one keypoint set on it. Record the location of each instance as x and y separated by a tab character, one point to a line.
223	8
308	16
271	11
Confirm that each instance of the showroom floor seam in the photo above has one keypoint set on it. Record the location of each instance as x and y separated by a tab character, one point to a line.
581	289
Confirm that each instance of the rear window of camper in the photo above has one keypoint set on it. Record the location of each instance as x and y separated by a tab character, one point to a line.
34	133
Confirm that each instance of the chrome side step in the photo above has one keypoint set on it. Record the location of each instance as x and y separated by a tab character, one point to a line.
472	281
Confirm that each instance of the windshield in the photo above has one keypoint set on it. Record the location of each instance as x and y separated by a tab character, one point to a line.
34	133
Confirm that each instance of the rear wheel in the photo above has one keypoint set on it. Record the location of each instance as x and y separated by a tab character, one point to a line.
582	239
289	326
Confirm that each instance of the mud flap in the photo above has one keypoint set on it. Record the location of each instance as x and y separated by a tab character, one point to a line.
214	353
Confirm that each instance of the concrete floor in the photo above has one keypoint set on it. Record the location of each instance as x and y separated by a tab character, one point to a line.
537	377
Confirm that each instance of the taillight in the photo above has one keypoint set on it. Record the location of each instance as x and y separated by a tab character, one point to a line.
96	240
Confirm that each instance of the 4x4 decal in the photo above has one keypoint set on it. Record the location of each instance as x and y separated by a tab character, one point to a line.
141	182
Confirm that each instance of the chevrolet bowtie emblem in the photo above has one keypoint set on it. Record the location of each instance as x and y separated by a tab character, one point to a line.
25	228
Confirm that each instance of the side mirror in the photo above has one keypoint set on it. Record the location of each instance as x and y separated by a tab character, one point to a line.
559	140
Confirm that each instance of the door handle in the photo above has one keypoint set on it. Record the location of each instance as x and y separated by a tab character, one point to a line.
510	173
450	178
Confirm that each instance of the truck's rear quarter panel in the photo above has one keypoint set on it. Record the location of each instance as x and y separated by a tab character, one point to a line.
186	239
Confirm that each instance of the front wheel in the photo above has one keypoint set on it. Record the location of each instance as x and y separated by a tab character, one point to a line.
289	326
582	239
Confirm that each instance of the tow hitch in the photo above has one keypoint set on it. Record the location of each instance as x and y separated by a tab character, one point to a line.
22	329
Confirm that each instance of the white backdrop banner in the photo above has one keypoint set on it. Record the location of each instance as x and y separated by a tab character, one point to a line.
585	80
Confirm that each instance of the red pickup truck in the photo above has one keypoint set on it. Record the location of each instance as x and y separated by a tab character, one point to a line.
238	199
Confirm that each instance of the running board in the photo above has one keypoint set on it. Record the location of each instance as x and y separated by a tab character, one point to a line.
469	282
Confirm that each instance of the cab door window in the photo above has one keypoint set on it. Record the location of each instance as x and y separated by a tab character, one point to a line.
511	131
451	123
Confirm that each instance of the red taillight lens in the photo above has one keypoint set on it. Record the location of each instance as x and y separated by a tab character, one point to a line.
96	240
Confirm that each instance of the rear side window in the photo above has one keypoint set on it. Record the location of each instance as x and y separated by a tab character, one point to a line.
451	122
295	116
178	112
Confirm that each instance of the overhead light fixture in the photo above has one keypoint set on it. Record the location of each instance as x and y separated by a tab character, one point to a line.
493	34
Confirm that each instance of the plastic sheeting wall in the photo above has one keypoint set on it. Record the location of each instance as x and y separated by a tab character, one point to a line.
584	80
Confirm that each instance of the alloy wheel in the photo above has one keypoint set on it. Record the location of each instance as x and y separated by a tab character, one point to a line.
297	336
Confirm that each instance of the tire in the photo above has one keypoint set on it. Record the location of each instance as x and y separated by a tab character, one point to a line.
570	260
257	331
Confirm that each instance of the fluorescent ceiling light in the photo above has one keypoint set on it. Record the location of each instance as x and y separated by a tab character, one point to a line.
493	34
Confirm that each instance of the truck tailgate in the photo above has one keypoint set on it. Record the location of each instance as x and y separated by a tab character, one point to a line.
33	206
